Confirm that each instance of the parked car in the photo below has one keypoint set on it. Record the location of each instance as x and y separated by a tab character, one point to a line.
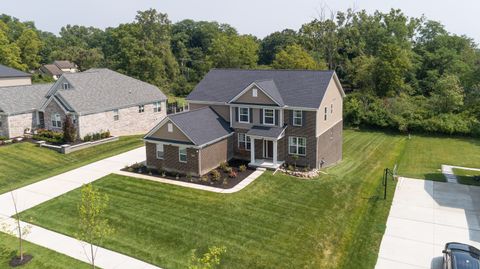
460	256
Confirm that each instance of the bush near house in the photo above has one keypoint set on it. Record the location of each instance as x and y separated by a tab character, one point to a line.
49	136
96	136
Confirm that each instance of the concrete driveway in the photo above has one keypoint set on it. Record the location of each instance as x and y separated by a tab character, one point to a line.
424	216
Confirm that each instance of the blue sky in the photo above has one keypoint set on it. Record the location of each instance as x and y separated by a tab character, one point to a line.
258	17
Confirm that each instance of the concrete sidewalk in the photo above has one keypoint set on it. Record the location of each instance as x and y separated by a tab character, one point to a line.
42	191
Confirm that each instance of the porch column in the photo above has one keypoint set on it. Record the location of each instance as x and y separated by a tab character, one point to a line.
252	150
275	152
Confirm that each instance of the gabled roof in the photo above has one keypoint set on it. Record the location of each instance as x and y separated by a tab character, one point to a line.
64	64
201	126
22	99
265	131
296	88
7	72
97	90
270	88
51	69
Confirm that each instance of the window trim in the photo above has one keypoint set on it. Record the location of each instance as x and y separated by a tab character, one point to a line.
170	127
157	151
296	145
157	107
246	141
325	117
56	120
65	85
240	115
74	118
254	92
273	116
180	149
116	115
295	117
141	108
331	108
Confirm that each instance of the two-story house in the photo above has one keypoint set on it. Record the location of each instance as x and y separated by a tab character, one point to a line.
269	117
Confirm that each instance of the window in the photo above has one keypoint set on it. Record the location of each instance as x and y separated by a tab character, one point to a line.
141	109
297	145
182	155
331	108
65	86
244	142
159	151
170	127
0	124
56	120
325	116
244	115
157	107
297	118
115	115
254	92
269	116
74	119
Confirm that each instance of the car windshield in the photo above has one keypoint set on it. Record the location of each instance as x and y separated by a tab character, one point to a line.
465	260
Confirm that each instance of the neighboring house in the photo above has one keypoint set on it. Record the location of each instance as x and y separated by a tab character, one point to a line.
57	68
97	100
268	117
13	77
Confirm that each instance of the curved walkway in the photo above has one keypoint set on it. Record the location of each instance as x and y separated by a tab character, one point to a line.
40	192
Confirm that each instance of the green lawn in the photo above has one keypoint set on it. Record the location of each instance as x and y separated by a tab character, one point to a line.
424	155
42	258
336	221
467	176
25	163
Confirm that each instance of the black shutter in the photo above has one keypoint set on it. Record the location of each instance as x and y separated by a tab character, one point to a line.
276	117
251	115
291	117
236	114
261	115
304	118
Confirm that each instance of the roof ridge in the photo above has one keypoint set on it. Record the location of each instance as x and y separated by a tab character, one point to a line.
274	70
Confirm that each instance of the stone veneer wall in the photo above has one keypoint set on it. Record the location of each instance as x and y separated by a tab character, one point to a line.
51	109
130	121
18	123
330	145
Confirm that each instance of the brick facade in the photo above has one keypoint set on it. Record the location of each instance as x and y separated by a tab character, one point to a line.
308	131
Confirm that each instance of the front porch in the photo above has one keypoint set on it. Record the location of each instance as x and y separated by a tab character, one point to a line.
264	142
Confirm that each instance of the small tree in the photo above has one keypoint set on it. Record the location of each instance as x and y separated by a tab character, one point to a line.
69	130
19	232
93	228
295	158
209	260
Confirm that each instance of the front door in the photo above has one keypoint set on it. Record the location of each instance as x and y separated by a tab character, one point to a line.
267	149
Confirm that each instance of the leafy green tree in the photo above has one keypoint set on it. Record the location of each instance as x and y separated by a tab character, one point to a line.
232	51
30	45
295	57
274	43
10	53
69	130
448	94
93	226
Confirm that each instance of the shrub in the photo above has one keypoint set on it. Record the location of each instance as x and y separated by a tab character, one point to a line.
242	168
223	165
227	169
215	175
107	134
204	178
189	176
87	138
49	136
2	138
232	174
290	167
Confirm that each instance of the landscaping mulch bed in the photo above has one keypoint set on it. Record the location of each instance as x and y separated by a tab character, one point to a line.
17	262
224	181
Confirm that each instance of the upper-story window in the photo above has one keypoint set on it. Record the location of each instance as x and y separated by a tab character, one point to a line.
269	116
297	118
326	111
141	109
157	107
170	127
244	115
66	86
115	115
254	92
56	120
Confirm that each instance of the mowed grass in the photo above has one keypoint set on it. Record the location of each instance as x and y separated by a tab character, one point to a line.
467	176
25	163
43	258
335	221
424	155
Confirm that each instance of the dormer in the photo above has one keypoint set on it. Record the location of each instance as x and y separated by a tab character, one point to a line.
262	92
66	85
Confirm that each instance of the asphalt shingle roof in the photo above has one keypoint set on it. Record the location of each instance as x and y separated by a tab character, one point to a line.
51	69
271	89
7	72
264	131
64	64
296	88
201	125
21	99
97	90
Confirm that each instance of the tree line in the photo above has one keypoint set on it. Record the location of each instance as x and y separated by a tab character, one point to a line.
402	73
